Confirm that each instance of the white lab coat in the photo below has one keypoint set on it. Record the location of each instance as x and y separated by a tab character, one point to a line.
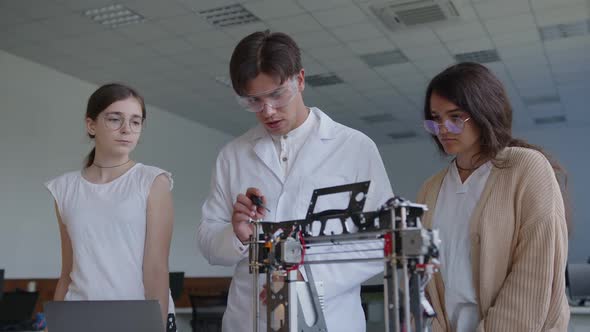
332	155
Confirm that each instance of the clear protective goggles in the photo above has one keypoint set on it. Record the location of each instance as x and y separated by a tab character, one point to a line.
276	98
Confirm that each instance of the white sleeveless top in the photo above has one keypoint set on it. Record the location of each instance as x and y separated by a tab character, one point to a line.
107	227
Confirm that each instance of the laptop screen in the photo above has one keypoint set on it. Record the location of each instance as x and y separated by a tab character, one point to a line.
100	316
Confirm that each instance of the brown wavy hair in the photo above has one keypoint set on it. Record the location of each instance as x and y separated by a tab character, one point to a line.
477	91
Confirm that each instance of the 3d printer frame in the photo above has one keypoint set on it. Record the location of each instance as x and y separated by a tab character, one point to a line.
407	250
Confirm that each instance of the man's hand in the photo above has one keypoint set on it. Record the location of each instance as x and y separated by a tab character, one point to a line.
244	210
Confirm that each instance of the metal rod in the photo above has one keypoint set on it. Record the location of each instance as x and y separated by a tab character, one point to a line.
351	260
405	279
255	274
351	236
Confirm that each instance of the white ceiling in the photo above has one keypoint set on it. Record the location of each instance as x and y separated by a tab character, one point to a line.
174	56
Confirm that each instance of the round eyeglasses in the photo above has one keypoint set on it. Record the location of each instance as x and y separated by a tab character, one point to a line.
453	125
277	98
116	121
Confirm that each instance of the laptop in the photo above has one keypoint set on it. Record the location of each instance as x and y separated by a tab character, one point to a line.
17	306
101	316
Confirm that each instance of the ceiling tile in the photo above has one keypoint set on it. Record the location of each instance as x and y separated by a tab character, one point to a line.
30	32
211	39
314	5
199	5
575	99
562	14
545	4
269	9
457	31
576	44
398	70
62	26
545	110
144	32
370	46
314	39
516	38
154	10
415	37
347	62
510	24
294	24
9	16
169	46
436	65
521	50
340	16
501	8
241	31
426	52
472	45
81	5
185	24
38	10
327	53
354	32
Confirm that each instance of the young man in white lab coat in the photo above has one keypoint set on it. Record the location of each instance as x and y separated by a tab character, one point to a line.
294	150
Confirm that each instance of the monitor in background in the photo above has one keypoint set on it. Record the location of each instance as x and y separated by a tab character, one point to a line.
578	281
176	284
17	306
101	316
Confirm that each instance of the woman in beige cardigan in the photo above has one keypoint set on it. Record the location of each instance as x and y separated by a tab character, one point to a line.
500	211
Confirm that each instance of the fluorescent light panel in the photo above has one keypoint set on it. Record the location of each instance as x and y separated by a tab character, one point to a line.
114	15
226	16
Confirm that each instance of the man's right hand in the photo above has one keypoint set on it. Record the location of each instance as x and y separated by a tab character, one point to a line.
244	210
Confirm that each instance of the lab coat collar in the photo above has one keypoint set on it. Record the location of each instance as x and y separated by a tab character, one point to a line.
327	127
264	148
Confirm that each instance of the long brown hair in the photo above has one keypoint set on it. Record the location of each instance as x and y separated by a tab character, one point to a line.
475	90
101	99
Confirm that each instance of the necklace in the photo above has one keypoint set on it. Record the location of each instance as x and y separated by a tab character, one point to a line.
125	163
464	169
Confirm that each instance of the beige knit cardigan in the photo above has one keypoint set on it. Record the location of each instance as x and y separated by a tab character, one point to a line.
518	247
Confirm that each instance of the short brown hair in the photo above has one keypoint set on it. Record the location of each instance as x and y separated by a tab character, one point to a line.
274	54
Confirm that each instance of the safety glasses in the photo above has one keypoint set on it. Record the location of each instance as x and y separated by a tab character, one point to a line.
277	98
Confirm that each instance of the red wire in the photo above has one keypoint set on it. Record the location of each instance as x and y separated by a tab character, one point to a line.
302	253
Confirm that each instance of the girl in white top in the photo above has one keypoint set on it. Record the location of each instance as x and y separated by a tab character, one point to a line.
115	215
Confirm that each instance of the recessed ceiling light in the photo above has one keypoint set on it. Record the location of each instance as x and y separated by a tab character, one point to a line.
384	58
565	30
323	79
115	15
483	56
226	16
402	134
378	118
539	100
550	119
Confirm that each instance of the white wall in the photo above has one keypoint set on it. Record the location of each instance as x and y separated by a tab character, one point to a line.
410	164
42	135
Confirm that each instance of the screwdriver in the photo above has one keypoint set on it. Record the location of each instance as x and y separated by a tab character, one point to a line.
258	202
